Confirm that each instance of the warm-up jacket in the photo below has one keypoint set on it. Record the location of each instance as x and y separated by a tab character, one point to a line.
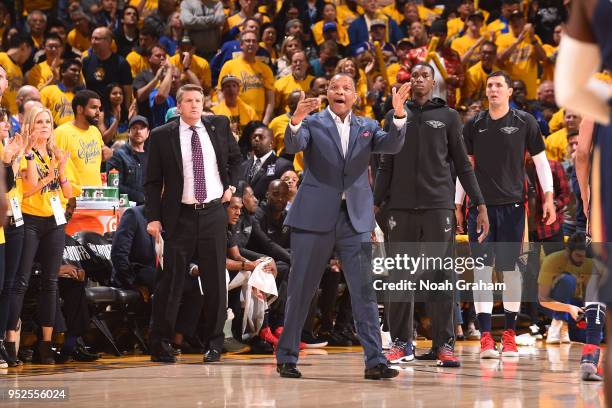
419	176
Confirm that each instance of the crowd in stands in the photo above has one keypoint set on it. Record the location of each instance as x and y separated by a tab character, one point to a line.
84	82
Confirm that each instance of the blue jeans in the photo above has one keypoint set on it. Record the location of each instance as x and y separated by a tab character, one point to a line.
563	291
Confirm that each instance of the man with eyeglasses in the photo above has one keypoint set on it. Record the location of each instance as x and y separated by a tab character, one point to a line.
257	78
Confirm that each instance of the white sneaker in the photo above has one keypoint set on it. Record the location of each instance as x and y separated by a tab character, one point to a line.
535	331
554	332
564	335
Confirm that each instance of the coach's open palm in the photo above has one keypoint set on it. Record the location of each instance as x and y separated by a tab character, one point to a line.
399	98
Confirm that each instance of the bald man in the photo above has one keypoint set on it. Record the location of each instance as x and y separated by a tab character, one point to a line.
103	66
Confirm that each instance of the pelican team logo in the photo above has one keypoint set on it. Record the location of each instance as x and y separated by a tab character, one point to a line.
99	74
392	223
509	129
436	124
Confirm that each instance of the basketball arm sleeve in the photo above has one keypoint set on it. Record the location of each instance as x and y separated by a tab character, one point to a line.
575	87
543	170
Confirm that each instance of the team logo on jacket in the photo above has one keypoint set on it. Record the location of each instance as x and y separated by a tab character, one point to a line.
436	124
392	223
509	129
367	133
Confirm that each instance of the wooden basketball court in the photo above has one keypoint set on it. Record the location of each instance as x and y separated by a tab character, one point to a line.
543	376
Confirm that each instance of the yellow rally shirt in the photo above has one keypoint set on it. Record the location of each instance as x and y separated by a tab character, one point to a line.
241	113
557	263
522	63
85	147
255	77
287	84
58	102
15	81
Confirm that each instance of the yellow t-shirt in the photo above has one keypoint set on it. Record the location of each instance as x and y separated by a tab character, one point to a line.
149	7
236	19
455	25
278	126
40	74
241	113
15	81
317	32
345	16
39	203
427	15
556	263
463	44
475	84
287	84
548	70
58	102
31	5
138	63
85	147
198	65
256	79
557	121
496	26
522	63
556	145
78	40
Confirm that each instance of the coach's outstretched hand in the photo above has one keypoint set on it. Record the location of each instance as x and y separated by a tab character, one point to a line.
399	98
304	107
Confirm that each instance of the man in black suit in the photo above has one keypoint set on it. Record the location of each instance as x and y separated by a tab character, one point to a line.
194	163
264	166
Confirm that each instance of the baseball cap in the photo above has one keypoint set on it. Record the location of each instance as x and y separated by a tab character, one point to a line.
378	22
405	41
171	114
230	78
138	119
330	26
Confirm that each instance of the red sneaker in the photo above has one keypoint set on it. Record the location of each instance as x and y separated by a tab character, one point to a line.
488	349
509	344
267	336
590	369
400	352
279	331
446	356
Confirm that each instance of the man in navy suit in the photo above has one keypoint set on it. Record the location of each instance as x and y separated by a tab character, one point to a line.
334	210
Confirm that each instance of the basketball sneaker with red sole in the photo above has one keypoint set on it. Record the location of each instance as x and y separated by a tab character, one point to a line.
446	356
509	348
488	348
400	352
589	363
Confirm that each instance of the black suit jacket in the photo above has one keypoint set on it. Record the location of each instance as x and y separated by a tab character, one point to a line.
164	179
272	169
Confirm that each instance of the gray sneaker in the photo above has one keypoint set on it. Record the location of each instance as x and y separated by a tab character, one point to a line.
231	345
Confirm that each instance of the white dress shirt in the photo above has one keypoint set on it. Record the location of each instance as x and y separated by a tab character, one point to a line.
214	186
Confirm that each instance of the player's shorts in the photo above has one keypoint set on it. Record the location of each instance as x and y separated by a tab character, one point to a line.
506	231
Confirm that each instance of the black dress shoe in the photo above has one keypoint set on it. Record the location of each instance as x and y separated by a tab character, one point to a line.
163	358
335	339
288	370
431	355
44	354
379	372
81	353
212	356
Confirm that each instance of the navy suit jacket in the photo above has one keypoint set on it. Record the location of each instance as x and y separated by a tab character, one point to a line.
131	245
327	174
